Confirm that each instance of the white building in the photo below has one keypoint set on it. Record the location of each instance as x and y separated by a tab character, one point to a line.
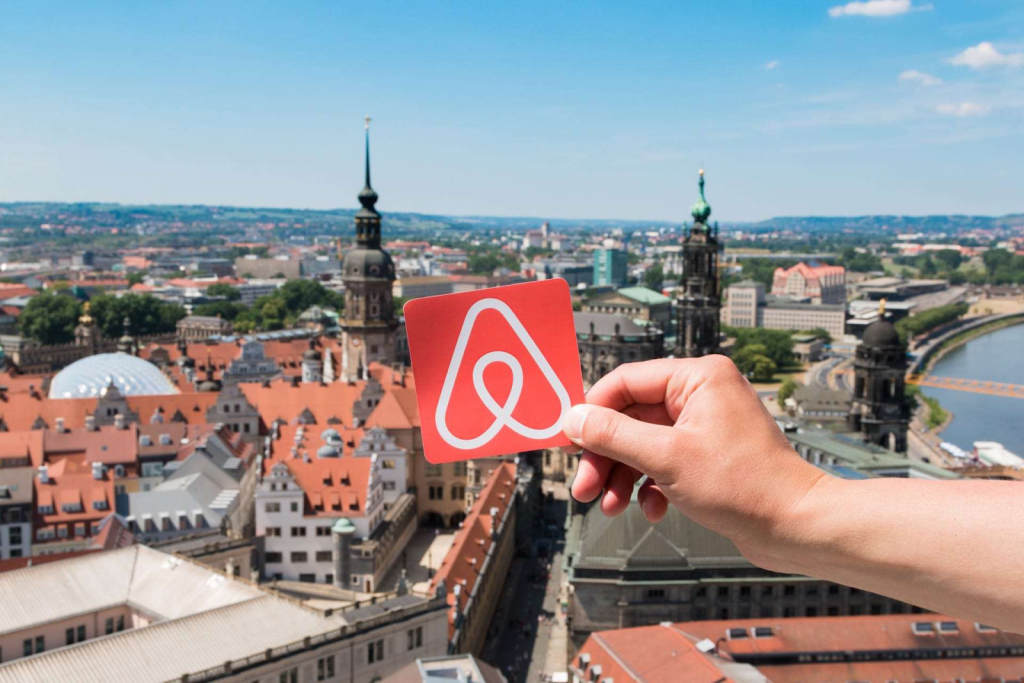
391	457
314	504
16	512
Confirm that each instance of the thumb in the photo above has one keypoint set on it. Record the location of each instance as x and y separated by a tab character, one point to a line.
643	446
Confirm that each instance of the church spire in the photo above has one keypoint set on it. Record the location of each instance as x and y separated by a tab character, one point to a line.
368	197
701	210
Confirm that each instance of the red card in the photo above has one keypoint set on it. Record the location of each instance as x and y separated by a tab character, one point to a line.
496	369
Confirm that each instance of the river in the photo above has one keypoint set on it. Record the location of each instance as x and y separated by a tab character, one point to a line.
999	357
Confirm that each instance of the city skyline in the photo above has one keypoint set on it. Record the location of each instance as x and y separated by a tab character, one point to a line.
879	107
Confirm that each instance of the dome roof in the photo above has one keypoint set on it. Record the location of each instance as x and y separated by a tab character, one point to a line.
374	263
881	333
89	376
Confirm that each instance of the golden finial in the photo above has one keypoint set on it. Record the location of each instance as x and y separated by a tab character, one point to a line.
85	319
701	171
881	308
367	120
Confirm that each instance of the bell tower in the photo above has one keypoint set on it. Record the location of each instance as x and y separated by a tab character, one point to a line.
369	326
879	410
698	302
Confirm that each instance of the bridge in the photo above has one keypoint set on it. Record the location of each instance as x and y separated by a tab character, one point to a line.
971	385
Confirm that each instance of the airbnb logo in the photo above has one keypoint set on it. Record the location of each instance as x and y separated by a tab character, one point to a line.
502	413
470	349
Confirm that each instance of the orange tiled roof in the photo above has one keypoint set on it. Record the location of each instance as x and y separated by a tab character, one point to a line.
71	482
461	566
9	290
19	412
333	487
652	654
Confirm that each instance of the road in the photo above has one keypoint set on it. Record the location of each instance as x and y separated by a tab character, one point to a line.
528	635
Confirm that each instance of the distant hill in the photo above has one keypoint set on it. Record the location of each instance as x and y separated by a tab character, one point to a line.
24	214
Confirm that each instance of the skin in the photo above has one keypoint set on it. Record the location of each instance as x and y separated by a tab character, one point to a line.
700	434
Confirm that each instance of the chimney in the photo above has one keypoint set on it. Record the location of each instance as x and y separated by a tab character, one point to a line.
90	423
119	421
97	470
59	425
44	474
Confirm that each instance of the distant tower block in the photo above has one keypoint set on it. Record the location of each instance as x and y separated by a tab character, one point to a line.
369	327
698	303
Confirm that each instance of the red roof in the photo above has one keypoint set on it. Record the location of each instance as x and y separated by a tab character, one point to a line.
333	487
652	654
461	566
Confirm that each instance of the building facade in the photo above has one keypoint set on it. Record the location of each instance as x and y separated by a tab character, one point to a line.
610	267
606	341
634	302
697	303
821	284
15	510
747	305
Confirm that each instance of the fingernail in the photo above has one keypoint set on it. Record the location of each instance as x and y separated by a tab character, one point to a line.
644	503
573	423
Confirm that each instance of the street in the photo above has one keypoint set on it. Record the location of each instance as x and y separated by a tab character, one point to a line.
528	635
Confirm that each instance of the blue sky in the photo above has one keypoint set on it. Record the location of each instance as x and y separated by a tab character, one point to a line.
598	110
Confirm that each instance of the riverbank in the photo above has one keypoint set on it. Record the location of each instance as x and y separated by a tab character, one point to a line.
966	336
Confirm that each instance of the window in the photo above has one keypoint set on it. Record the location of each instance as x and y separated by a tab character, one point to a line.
763	632
273	531
26	648
655	593
40	644
419	636
723	591
70	636
982	628
370	653
273	507
432	470
323	531
324	556
289	676
736	633
948	627
811	612
81	633
460	468
300	556
298	531
307	578
108	625
766	591
833	589
789	591
274	557
380	650
295	507
701	592
120	623
411	635
921	627
325	668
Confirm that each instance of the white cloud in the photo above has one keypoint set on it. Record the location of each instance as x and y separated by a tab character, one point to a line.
963	109
984	55
772	64
915	76
875	8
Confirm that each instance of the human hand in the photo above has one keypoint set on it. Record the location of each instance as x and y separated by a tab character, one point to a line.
699	432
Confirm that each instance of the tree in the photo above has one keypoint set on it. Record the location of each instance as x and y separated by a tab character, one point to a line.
786	390
957	277
50	318
146	314
136	277
225	290
819	333
777	345
654	276
753	362
950	258
229	310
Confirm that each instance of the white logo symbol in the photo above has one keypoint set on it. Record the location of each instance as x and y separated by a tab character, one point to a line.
502	414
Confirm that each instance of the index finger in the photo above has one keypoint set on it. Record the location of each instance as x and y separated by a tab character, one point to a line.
651	382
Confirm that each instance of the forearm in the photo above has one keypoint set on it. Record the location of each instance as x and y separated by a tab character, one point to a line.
952	547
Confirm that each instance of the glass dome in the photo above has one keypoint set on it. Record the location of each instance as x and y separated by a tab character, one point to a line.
89	376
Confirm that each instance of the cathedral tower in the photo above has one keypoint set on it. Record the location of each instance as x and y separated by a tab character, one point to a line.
369	326
697	303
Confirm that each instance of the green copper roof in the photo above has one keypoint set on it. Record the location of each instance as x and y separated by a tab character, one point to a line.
343	526
701	210
644	295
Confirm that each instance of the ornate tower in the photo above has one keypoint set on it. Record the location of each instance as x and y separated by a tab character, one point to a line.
697	303
879	409
87	332
369	327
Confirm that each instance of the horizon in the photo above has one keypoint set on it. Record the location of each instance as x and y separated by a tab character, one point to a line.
540	219
889	107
